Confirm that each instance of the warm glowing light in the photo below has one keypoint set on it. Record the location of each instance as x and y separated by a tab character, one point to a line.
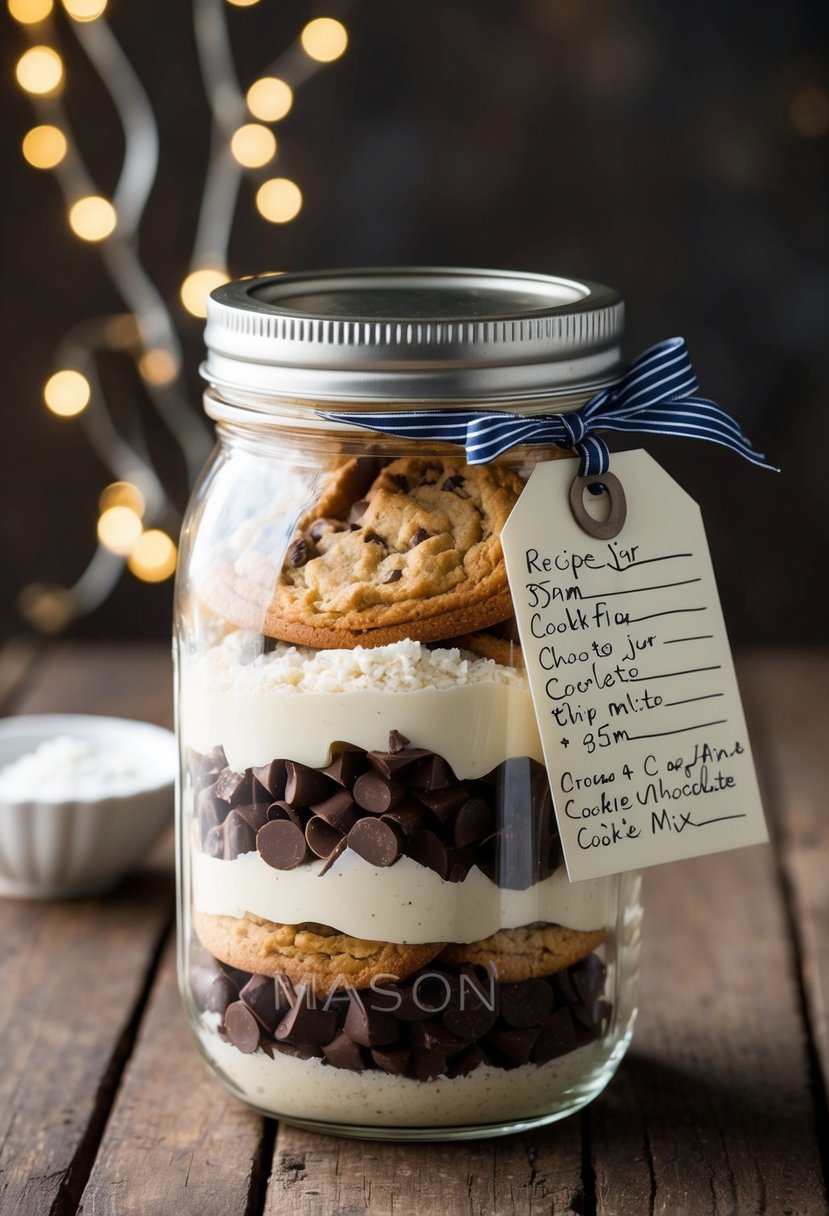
118	529
47	607
85	10
67	393
197	287
270	98
324	39
243	3
809	112
279	200
92	218
122	494
29	12
158	366
153	556
44	147
253	145
39	70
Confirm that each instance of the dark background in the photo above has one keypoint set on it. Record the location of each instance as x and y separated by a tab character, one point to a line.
677	151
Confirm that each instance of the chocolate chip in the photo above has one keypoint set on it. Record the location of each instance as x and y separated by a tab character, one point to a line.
212	764
358	510
281	810
338	810
332	857
298	553
255	815
342	1053
374	539
368	1026
233	788
408	816
320	526
426	849
527	1003
474	1010
472	823
212	990
281	844
397	742
284	992
393	577
444	803
377	841
322	838
452	482
401	481
468	1061
239	836
304	786
588	982
511	1046
273	777
432	773
394	1060
419	537
259	995
376	793
391	763
211	812
432	1035
556	1038
427	1064
242	1027
308	1023
346	767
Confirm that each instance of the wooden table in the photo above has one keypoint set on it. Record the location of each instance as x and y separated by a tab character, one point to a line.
720	1107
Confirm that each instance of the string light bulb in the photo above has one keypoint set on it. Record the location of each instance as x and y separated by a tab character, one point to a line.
29	12
46	606
197	287
243	3
153	556
279	200
158	366
67	393
44	146
122	494
324	39
39	70
253	145
92	218
118	529
269	98
85	10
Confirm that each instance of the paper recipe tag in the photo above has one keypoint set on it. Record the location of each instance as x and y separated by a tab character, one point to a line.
631	675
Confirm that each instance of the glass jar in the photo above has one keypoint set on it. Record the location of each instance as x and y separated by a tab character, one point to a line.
377	933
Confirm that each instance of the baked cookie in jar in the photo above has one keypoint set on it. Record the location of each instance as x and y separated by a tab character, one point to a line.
377	931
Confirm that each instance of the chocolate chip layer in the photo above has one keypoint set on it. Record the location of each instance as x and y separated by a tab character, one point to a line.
404	801
441	1022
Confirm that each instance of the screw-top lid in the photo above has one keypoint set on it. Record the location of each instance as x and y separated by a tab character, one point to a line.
413	334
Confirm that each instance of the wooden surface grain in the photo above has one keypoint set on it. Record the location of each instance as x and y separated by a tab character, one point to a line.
720	1106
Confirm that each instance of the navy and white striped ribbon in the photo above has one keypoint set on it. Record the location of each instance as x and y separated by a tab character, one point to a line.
657	396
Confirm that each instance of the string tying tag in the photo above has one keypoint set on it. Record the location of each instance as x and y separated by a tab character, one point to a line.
657	396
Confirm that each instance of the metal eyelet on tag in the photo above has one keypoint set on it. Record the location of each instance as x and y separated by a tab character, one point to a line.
612	526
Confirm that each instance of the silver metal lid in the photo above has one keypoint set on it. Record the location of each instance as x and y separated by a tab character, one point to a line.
414	334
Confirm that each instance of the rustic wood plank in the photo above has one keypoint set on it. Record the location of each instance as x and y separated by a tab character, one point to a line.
712	1111
787	696
176	1141
527	1174
75	973
17	660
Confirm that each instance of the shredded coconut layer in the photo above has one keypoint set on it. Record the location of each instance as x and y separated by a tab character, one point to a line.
238	665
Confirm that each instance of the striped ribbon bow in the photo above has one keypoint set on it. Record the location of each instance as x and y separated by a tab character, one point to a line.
655	396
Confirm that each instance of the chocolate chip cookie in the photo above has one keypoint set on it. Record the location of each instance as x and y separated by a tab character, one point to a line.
534	950
417	555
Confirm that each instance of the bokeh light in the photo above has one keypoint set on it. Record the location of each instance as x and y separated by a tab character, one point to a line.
279	200
122	494
46	606
253	145
44	146
118	529
197	287
270	98
66	393
39	70
324	39
85	10
158	366
29	12
92	218
243	3
153	556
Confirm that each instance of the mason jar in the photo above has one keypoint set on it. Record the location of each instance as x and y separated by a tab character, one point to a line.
377	933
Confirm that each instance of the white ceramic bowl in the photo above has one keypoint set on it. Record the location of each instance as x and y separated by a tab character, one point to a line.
52	849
